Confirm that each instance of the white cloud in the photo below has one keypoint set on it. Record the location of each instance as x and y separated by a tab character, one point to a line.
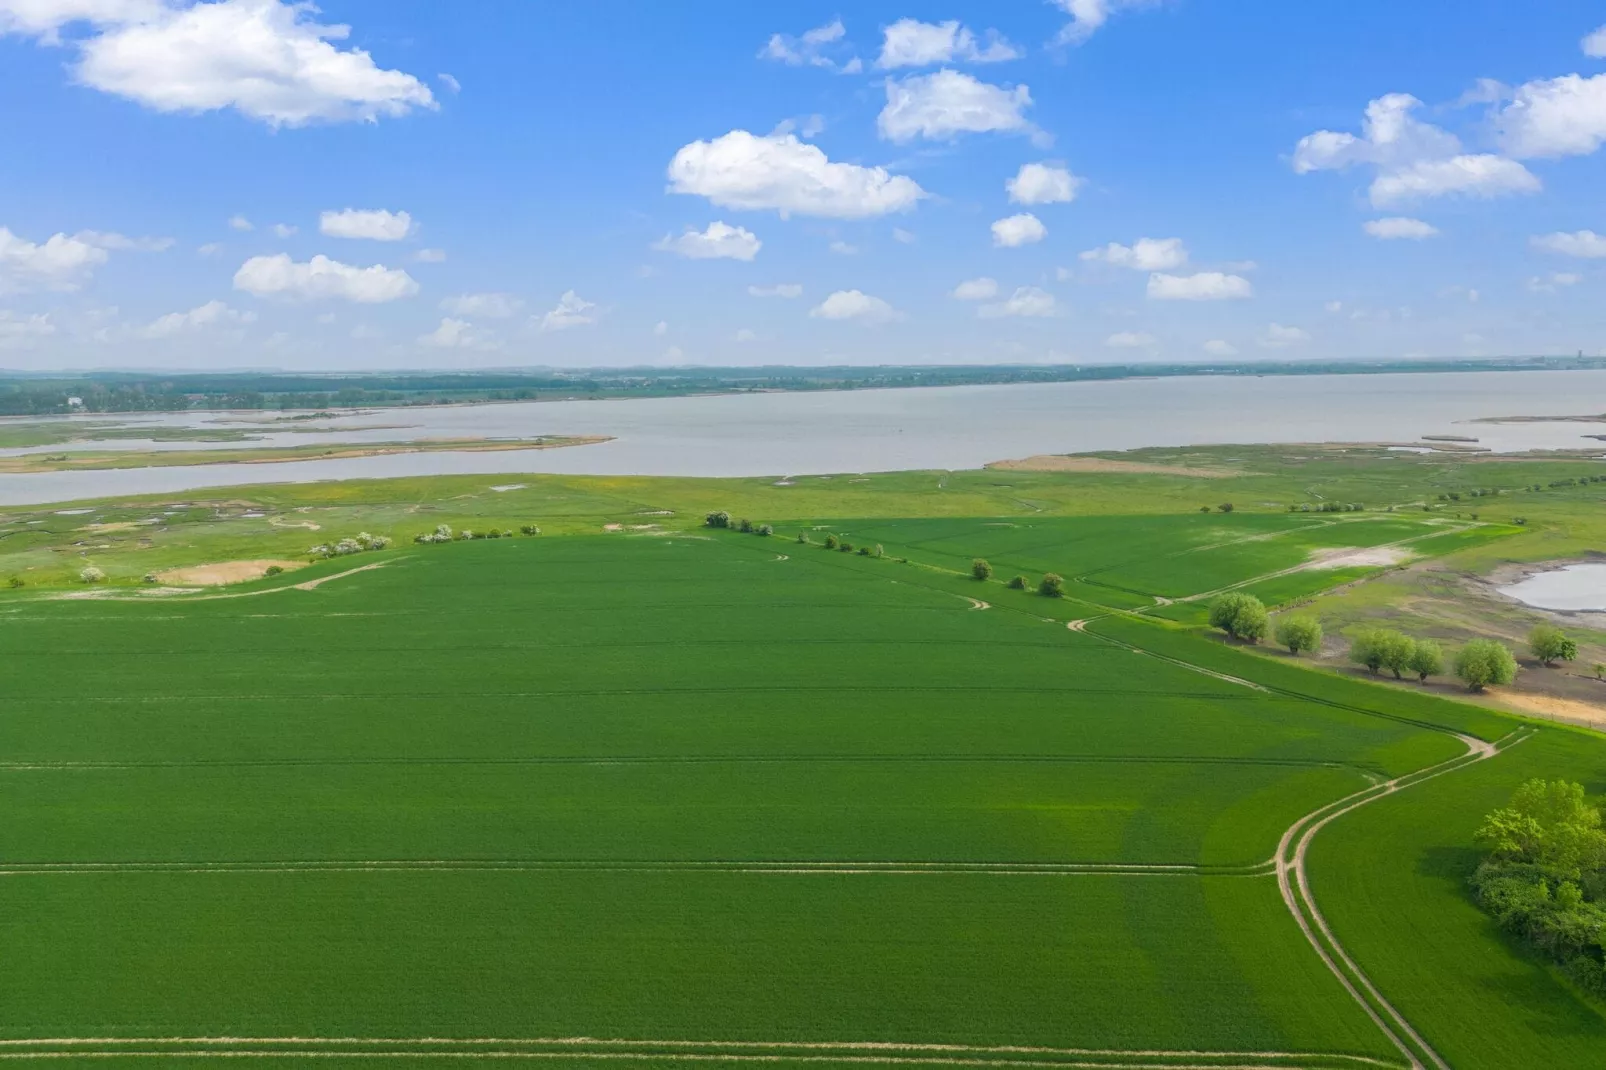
854	305
572	311
1595	44
283	230
720	241
268	59
1554	282
483	305
208	249
1399	227
745	335
674	353
1088	17
1585	244
1042	183
1279	337
211	314
842	248
944	104
1413	159
903	237
1145	254
430	256
452	84
459	334
983	289
372	224
1025	301
239	222
1563	116
743	171
19	330
660	328
1130	340
783	289
322	277
1334	306
1218	347
812	48
58	263
111	240
1022	229
912	43
1204	286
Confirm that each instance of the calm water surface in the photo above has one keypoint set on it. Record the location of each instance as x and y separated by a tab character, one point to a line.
886	430
1574	587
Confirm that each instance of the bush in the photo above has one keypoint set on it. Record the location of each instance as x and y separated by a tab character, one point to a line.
529	529
764	529
980	570
16	582
271	570
1550	644
91	574
1426	659
150	577
1051	585
1017	584
746	527
845	546
1299	634
1241	616
442	533
1225	507
864	551
803	538
1204	508
720	519
1483	662
832	542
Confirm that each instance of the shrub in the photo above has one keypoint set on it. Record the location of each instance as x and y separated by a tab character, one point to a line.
832	542
980	570
1382	648
91	574
1017	584
271	570
1204	508
846	547
16	582
1051	585
864	551
1482	662
720	519
1241	616
1426	659
764	529
746	526
442	533
1299	634
149	577
529	529
1550	644
1225	507
803	538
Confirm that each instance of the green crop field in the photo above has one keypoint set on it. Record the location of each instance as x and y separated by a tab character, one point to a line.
682	795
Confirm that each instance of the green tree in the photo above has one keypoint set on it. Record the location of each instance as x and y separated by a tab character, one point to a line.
1397	649
720	519
1225	507
1052	585
980	569
1548	823
832	542
1550	644
1426	659
1299	634
1482	662
1242	616
1377	648
1018	583
803	538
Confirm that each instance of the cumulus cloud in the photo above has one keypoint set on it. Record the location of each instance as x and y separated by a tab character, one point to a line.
483	305
1022	229
819	47
1130	340
1279	337
1412	159
323	278
1585	244
1088	17
211	314
17	331
743	171
781	289
270	60
983	289
947	103
1399	227
903	237
1218	347
283	230
720	241
459	334
372	224
58	263
854	305
1145	254
1554	282
1553	117
430	256
1042	183
451	83
239	222
912	43
111	240
1595	44
842	248
1025	301
572	311
660	328
1203	286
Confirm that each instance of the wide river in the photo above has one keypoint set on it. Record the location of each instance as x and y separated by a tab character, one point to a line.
886	430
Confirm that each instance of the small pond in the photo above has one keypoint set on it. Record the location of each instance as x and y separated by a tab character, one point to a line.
1572	587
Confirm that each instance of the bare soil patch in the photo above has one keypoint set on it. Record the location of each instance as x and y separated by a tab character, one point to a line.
1542	705
222	572
1049	462
1359	557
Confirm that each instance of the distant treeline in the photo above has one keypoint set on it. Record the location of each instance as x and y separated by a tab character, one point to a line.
24	395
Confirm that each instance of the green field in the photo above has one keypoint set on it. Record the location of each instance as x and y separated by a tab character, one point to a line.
713	797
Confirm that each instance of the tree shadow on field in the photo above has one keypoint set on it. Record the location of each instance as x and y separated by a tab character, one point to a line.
1453	864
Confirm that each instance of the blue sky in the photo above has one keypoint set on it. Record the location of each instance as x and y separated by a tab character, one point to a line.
240	183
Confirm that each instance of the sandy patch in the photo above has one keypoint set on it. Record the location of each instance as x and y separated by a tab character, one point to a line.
1566	709
1044	462
503	488
1354	557
613	527
281	522
222	572
121	525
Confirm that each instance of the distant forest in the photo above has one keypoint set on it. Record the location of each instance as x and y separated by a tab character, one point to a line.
40	395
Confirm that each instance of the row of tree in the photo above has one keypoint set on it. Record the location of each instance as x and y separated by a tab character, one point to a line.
1052	585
